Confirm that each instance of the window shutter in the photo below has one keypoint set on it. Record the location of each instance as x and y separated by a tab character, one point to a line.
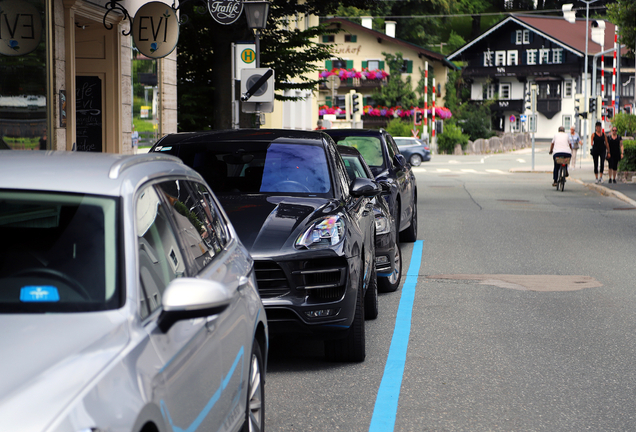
531	37
523	58
364	64
349	64
354	38
409	66
328	65
381	65
325	39
513	37
328	101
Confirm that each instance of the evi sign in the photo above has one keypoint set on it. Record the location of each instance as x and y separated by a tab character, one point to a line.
20	28
155	29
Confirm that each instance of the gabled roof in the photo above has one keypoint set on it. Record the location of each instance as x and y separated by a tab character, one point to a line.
432	55
570	36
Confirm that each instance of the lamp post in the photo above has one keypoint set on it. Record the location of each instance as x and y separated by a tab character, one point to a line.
256	13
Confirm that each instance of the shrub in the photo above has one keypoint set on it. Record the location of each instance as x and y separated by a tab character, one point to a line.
400	128
452	136
628	163
625	123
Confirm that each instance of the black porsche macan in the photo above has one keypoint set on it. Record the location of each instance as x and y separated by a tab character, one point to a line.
308	227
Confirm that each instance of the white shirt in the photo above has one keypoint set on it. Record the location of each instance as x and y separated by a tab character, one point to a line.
561	143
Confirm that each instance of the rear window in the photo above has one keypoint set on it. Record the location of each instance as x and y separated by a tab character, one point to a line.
58	252
369	147
401	142
259	167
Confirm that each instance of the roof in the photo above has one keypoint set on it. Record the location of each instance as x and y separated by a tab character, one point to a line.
432	55
254	135
78	172
570	36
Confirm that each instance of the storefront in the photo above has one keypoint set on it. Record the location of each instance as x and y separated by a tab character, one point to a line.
70	78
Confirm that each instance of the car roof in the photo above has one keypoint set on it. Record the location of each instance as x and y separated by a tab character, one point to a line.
81	172
256	135
355	132
348	150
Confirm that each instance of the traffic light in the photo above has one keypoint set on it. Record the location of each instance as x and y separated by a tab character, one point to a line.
592	104
419	116
528	101
355	103
610	112
578	105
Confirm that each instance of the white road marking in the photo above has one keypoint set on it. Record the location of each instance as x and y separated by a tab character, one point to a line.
496	171
443	170
521	160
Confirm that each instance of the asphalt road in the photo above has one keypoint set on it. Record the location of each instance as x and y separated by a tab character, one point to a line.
522	316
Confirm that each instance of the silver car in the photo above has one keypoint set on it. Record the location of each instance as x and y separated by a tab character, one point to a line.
127	302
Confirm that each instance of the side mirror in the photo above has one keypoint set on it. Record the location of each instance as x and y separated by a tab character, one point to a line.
364	187
187	298
399	160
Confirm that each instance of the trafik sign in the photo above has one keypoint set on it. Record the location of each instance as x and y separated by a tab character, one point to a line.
155	30
225	11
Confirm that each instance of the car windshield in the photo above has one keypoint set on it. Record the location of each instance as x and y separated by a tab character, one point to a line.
259	167
354	167
62	253
370	147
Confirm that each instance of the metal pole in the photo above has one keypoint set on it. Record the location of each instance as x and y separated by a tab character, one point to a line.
258	65
587	37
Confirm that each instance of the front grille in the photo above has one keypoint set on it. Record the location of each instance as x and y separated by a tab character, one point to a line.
271	279
327	294
324	279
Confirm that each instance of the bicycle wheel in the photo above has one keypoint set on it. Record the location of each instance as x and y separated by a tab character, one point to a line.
561	181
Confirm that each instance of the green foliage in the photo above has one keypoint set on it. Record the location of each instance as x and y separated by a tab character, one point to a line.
625	123
455	42
452	136
623	14
421	85
400	128
143	125
397	91
628	163
474	119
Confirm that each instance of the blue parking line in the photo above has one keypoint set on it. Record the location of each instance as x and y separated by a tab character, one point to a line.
386	402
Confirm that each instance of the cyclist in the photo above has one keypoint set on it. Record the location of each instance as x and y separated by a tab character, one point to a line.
562	148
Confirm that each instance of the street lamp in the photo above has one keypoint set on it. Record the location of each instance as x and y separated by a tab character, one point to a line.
256	13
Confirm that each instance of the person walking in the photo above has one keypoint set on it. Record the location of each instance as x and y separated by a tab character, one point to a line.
562	148
614	153
574	140
599	148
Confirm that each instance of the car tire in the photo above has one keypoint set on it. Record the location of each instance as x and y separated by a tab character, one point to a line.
351	348
392	282
255	408
409	235
371	297
415	160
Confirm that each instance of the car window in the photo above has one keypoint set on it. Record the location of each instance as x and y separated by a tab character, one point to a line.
354	167
294	168
63	256
401	142
391	147
160	258
370	148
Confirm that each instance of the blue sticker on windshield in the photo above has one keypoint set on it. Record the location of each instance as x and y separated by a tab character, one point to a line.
43	293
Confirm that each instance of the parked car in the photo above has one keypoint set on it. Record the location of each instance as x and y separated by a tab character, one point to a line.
414	150
388	257
309	228
390	170
127	301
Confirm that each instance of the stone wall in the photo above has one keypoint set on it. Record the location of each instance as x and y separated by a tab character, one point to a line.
497	144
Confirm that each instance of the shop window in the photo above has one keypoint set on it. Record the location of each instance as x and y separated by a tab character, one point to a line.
23	76
145	100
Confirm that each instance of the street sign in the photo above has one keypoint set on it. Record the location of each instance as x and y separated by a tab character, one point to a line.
532	123
513	119
244	58
265	93
523	117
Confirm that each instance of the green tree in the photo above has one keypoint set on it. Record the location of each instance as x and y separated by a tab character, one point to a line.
397	91
623	14
204	57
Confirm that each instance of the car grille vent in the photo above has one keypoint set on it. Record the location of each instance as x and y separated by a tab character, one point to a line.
271	279
327	294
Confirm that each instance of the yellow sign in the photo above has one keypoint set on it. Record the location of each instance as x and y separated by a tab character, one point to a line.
248	55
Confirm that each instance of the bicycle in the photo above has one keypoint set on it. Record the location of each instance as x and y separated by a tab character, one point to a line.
563	161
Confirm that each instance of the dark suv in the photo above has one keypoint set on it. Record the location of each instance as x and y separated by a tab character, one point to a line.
390	170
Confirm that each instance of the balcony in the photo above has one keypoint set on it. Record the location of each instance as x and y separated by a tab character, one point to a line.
549	107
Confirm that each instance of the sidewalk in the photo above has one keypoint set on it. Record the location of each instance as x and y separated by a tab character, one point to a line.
583	173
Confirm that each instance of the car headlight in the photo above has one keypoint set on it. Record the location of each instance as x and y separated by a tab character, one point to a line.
382	225
328	231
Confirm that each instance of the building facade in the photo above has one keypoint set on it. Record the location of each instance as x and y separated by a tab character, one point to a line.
548	52
67	78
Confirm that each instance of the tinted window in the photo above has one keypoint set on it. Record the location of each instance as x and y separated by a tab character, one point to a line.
160	258
258	167
369	147
401	142
58	252
354	167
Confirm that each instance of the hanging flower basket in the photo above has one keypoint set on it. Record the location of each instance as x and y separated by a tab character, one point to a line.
352	73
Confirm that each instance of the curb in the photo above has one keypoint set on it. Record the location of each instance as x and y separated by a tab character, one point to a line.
607	192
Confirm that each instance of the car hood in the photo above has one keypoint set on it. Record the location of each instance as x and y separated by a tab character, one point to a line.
47	359
270	224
